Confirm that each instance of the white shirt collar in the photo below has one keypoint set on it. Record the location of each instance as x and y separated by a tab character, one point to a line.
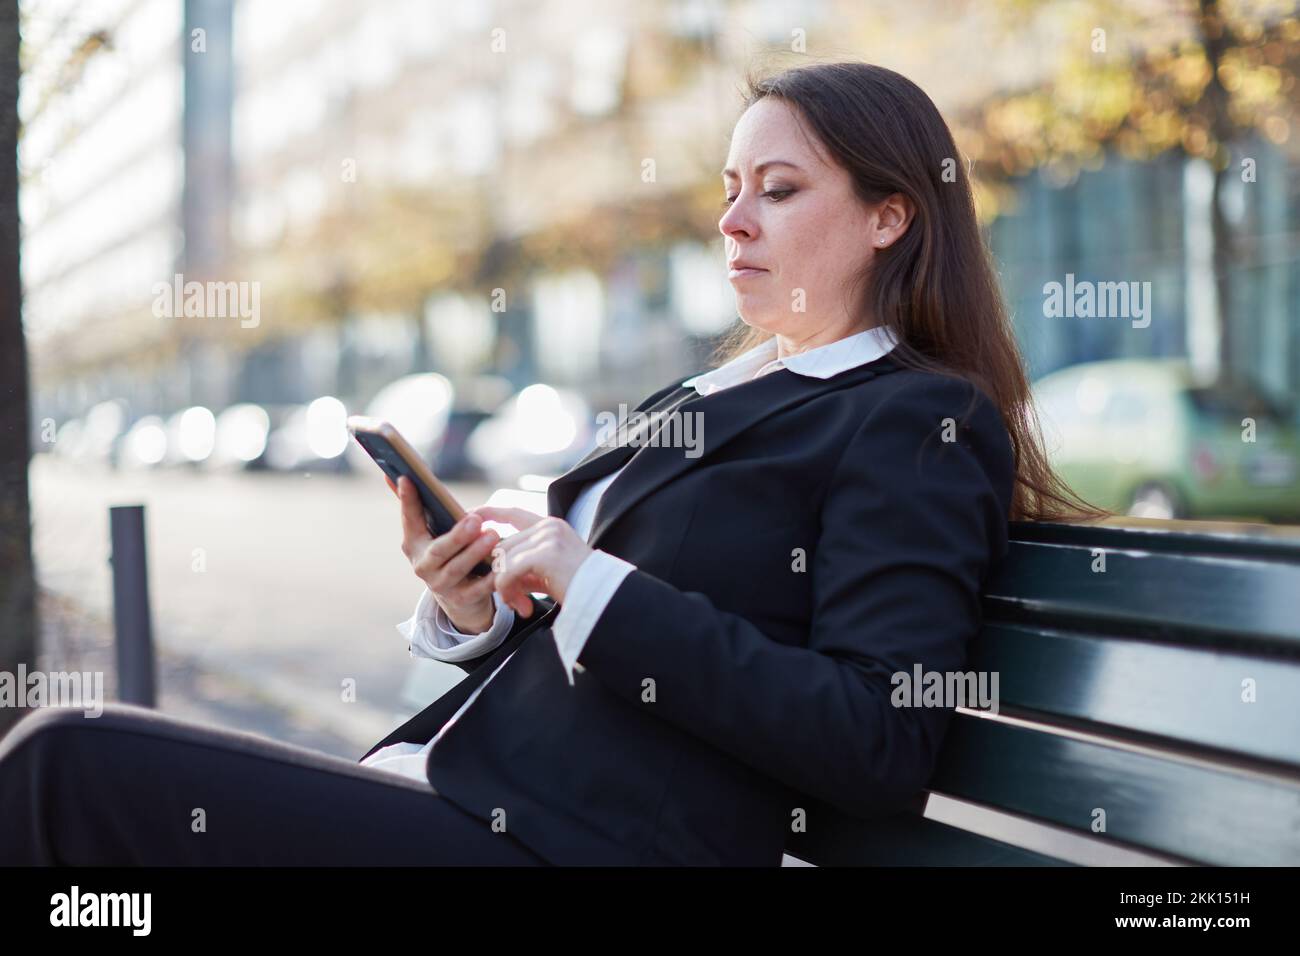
821	362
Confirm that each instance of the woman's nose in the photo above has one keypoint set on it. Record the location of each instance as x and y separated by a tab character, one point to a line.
733	226
736	221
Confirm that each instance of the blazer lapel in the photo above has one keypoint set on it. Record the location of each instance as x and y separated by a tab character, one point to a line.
724	415
603	459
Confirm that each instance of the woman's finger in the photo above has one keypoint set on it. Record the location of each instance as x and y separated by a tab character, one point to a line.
518	517
415	533
479	548
473	590
517	575
442	549
512	541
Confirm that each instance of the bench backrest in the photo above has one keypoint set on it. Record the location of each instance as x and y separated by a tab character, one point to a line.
1158	698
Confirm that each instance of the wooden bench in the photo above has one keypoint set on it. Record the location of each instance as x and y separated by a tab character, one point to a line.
1121	692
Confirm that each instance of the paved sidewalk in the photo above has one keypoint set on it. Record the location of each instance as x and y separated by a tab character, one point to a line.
73	639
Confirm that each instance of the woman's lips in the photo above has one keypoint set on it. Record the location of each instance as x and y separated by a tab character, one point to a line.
745	273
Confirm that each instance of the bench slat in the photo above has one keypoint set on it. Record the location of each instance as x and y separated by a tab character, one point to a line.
1231	601
1249	540
904	839
1188	694
1215	816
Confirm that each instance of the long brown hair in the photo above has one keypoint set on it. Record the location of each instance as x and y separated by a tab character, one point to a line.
935	288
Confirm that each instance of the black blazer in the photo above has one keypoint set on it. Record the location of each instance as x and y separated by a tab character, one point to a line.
722	686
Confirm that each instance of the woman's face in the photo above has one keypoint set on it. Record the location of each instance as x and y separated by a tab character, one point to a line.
793	215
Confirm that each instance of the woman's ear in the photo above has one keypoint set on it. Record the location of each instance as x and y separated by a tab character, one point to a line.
893	216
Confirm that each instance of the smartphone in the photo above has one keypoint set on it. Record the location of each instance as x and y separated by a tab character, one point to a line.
396	458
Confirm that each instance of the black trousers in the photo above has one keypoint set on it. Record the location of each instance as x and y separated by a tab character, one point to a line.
135	787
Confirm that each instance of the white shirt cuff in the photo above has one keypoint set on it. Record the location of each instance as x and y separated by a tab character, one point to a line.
429	632
591	589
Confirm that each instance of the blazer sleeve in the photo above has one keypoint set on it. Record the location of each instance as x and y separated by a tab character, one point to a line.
540	606
910	524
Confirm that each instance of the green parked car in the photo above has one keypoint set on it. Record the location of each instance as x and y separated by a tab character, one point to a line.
1142	437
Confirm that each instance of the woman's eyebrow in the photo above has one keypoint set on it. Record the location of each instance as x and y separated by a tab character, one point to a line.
731	173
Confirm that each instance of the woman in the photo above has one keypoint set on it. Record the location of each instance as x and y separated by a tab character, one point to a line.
722	623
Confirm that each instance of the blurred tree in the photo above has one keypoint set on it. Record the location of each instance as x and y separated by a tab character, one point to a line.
1144	77
17	580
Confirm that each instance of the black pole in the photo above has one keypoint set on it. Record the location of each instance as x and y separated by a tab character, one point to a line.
134	632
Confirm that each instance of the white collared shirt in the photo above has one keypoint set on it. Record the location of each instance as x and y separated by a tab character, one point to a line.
430	634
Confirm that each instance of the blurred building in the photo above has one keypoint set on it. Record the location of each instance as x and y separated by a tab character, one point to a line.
464	187
523	187
1149	221
408	185
123	187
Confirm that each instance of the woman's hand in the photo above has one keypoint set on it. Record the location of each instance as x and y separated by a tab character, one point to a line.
443	563
542	556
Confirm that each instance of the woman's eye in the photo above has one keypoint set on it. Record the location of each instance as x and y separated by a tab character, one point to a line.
776	195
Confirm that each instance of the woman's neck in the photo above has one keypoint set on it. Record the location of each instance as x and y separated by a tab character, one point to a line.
785	347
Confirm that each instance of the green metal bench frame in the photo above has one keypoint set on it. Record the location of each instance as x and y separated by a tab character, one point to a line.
1122	691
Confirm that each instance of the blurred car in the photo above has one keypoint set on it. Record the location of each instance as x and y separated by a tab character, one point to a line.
191	436
70	440
540	430
240	437
450	460
1143	437
105	425
91	439
475	400
144	445
311	437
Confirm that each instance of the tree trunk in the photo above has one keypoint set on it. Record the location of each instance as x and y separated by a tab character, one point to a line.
17	580
1216	38
1224	260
